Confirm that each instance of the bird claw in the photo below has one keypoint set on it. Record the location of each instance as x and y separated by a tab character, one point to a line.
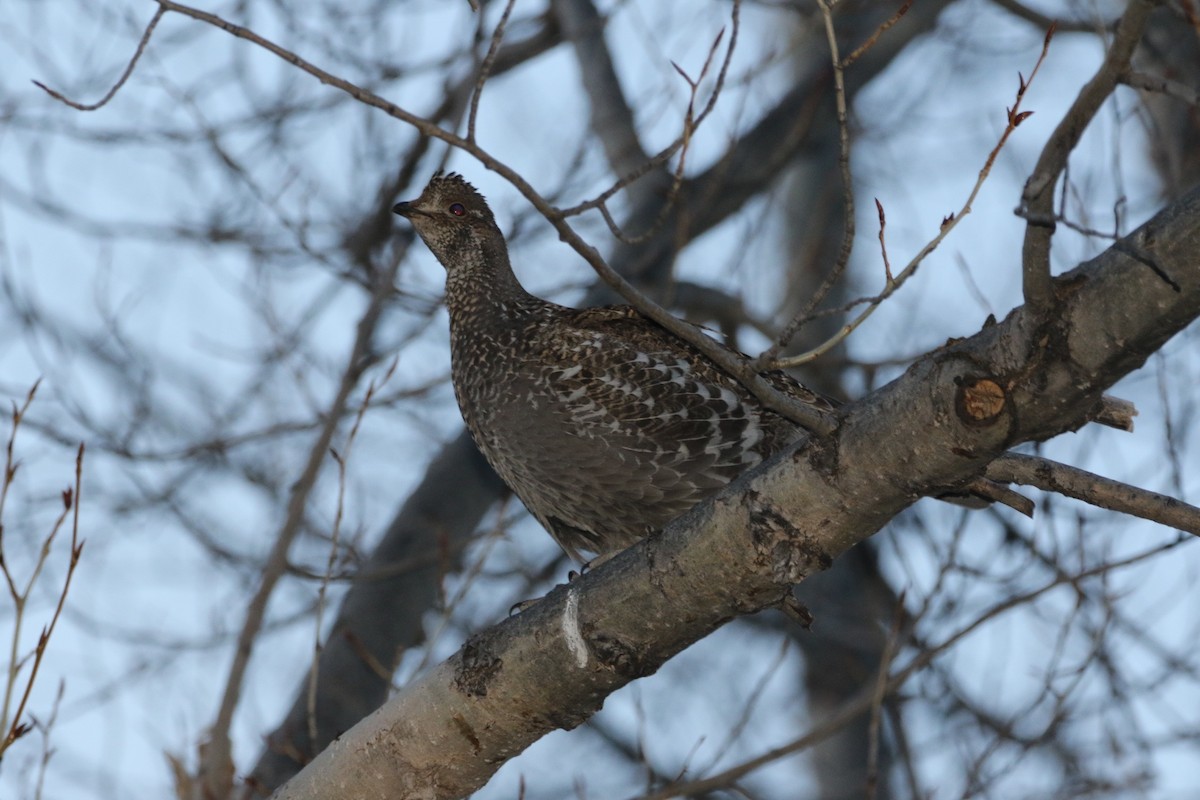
521	606
572	576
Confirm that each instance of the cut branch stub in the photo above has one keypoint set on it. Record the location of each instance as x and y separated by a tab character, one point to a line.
979	401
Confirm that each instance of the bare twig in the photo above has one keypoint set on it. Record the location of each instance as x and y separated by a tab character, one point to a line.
1042	22
485	69
217	763
992	491
116	87
1037	198
1014	118
861	701
612	118
1115	413
46	727
1096	490
340	459
874	37
16	728
887	266
768	357
885	666
1162	85
691	121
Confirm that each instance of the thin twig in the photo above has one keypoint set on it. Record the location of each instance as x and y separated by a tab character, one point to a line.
691	123
70	500
1041	21
861	701
217	767
768	356
661	157
46	728
612	119
485	69
874	37
887	265
1014	117
340	458
881	686
116	87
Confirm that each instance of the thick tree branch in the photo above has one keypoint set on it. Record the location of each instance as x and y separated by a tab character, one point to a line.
1096	490
552	666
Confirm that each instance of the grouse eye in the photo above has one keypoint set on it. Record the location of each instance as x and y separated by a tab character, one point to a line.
458	209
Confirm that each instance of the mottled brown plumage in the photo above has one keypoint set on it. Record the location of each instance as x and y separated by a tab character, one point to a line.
606	425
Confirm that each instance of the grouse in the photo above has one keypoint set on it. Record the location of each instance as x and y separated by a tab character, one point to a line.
606	425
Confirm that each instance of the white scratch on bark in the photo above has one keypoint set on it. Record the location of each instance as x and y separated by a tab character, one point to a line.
570	626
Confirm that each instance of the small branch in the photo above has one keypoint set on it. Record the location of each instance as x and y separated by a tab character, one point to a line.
874	37
1161	85
137	54
485	69
1014	118
1037	198
985	489
861	701
691	122
340	459
1115	413
70	500
216	769
881	686
1095	490
600	201
843	117
768	356
887	265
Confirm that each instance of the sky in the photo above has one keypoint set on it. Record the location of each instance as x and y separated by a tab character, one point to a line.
146	336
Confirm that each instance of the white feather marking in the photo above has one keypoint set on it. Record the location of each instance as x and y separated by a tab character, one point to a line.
753	433
570	627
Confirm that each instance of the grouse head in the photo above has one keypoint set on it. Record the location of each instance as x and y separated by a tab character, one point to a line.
454	220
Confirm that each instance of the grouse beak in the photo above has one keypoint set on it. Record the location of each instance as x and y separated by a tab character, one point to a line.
404	209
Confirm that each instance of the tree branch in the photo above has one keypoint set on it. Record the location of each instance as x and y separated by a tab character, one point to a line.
1096	490
1037	199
